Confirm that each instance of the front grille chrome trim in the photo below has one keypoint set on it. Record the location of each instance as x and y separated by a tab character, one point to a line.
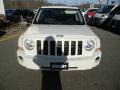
51	48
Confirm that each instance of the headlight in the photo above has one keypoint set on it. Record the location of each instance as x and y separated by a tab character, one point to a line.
89	16
29	44
89	45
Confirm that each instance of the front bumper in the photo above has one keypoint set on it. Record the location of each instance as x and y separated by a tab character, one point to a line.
43	62
99	21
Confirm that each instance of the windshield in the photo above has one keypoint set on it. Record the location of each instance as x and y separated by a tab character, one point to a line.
105	9
59	16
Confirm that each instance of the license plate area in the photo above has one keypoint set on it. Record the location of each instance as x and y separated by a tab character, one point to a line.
58	65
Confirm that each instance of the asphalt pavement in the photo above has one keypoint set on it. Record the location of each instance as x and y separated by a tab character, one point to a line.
106	76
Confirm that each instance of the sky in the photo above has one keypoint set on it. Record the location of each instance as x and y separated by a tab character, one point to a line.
73	2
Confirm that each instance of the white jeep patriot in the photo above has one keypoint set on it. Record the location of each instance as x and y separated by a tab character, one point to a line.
59	39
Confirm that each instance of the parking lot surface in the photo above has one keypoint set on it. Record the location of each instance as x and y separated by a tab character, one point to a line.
106	76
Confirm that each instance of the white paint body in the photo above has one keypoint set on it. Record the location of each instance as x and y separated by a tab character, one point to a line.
70	33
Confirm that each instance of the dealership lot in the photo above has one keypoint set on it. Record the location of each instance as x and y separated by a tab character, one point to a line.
106	76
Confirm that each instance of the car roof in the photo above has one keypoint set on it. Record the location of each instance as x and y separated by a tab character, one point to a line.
92	8
65	7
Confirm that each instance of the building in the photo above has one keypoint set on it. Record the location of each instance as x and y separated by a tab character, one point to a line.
2	12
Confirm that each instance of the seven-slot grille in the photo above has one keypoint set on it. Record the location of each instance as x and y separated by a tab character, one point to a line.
59	48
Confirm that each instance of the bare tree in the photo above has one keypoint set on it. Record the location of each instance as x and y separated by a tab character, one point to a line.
22	4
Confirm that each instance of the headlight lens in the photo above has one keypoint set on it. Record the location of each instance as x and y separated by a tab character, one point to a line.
89	45
29	44
89	16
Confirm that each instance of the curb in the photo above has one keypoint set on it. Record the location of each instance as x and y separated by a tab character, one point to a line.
13	32
10	37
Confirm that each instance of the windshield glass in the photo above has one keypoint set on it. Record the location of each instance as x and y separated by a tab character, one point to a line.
59	16
105	9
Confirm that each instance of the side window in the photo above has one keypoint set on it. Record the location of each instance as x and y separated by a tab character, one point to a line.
115	11
96	10
118	10
79	15
90	11
38	16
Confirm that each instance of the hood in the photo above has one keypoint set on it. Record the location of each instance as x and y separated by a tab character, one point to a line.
51	30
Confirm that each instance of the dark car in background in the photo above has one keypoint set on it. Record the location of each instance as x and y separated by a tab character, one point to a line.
9	14
114	22
89	14
19	15
103	14
23	15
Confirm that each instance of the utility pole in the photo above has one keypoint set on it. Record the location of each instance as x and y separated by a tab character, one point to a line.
107	2
76	2
65	2
101	2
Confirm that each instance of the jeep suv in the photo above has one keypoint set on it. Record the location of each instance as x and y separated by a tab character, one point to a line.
59	39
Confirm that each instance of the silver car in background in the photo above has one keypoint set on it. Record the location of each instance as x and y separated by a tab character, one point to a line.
114	22
103	14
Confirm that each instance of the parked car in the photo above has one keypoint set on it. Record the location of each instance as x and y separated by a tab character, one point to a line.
59	39
18	14
83	11
103	14
9	14
35	11
89	14
27	13
114	22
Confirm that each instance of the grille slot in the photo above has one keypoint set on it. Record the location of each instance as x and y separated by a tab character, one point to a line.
66	48
39	47
59	48
45	48
52	47
79	47
73	47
